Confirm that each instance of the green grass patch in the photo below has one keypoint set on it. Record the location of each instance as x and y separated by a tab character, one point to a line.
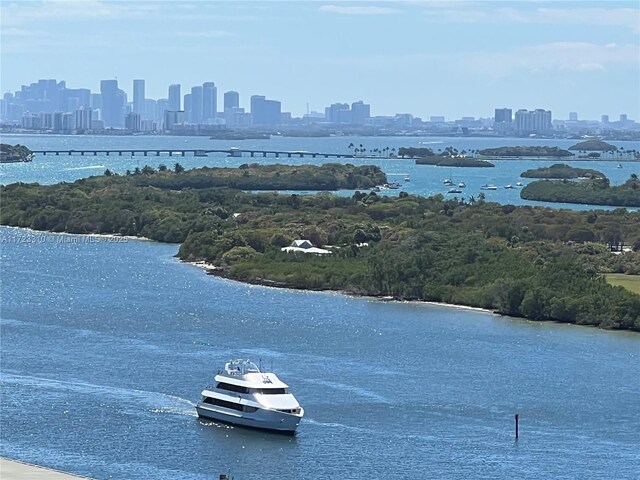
630	282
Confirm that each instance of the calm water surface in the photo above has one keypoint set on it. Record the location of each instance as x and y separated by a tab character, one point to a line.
425	179
106	346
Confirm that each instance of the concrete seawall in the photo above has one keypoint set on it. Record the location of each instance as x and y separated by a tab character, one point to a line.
13	470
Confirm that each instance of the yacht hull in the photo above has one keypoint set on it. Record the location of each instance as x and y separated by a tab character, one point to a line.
262	419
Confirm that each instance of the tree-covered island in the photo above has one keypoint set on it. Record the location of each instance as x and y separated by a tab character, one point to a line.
529	151
562	171
539	263
449	157
597	191
594	145
14	153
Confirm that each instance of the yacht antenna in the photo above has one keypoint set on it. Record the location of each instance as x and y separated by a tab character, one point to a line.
260	364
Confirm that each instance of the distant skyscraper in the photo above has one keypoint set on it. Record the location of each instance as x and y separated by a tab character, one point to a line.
537	121
174	97
138	97
209	102
573	116
265	112
360	111
623	117
338	113
196	105
112	102
604	119
231	100
503	115
150	107
187	108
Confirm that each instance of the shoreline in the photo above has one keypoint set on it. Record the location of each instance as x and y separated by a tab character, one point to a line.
221	272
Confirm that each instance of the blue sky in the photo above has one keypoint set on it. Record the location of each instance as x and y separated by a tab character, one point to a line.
452	58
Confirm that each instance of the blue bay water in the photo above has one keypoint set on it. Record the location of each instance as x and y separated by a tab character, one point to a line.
106	344
425	179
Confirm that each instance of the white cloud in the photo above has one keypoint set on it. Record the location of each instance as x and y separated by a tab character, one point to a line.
207	34
358	10
24	12
552	57
617	17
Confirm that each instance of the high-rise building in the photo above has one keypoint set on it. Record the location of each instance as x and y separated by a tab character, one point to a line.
138	97
209	102
196	105
573	116
503	120
187	108
536	121
265	112
623	117
83	119
335	113
132	122
174	97
162	105
113	100
360	112
503	115
604	119
150	107
231	100
75	98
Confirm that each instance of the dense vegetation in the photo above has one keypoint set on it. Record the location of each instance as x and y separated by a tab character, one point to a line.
539	263
525	152
415	152
329	176
14	153
594	145
591	192
449	157
561	171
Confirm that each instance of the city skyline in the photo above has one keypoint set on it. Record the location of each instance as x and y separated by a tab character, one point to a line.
396	56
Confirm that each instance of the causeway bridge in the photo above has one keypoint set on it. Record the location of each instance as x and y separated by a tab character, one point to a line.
181	152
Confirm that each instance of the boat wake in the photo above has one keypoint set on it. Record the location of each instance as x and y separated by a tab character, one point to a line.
334	425
153	402
361	392
90	167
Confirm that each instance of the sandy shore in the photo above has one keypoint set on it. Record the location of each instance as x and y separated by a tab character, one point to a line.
13	470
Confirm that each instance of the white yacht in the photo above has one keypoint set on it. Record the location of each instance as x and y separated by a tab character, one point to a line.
243	395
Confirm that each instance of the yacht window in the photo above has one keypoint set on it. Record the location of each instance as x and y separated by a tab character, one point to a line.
223	403
232	388
271	391
247	408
